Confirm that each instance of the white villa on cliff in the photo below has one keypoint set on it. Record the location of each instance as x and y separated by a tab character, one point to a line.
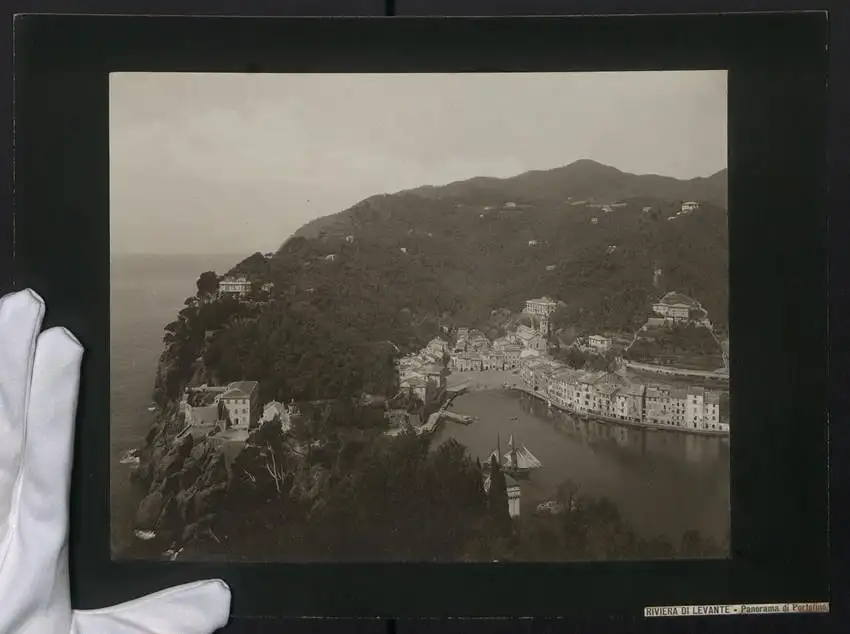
543	306
676	307
231	285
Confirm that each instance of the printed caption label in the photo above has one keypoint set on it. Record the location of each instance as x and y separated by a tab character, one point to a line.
738	608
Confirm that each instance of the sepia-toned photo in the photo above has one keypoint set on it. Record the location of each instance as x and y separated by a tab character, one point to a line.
419	317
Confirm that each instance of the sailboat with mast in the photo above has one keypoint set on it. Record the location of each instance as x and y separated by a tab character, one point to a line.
518	462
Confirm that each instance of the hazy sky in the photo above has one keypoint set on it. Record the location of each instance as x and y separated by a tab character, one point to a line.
228	163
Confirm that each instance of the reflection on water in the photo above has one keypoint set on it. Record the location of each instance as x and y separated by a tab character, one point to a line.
664	482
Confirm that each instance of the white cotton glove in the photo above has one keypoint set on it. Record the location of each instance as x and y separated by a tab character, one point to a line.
39	382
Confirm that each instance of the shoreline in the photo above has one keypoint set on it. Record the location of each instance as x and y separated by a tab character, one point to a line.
625	423
495	380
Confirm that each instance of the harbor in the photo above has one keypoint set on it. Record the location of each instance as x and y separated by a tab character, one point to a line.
647	425
664	482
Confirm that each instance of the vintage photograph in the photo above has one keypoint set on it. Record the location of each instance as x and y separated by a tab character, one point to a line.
473	317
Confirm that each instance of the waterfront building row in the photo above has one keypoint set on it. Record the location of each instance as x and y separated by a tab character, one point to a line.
611	395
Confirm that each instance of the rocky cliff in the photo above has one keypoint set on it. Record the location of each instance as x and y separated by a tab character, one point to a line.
186	479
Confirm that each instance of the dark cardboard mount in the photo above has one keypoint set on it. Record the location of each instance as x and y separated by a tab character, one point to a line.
777	66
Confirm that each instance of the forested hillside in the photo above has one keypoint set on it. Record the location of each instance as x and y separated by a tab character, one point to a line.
471	247
393	270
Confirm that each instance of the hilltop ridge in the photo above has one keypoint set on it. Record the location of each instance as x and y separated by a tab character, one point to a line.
582	179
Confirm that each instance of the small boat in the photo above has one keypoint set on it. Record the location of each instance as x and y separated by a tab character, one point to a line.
130	457
144	535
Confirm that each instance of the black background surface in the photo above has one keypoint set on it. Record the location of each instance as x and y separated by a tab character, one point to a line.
778	161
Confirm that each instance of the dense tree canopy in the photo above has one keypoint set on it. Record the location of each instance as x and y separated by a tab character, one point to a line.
207	283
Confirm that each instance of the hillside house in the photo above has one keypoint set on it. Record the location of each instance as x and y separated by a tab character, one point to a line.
349	239
417	385
201	408
543	306
688	207
426	389
598	343
241	403
214	405
532	243
330	257
437	347
677	307
233	285
510	205
594	221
